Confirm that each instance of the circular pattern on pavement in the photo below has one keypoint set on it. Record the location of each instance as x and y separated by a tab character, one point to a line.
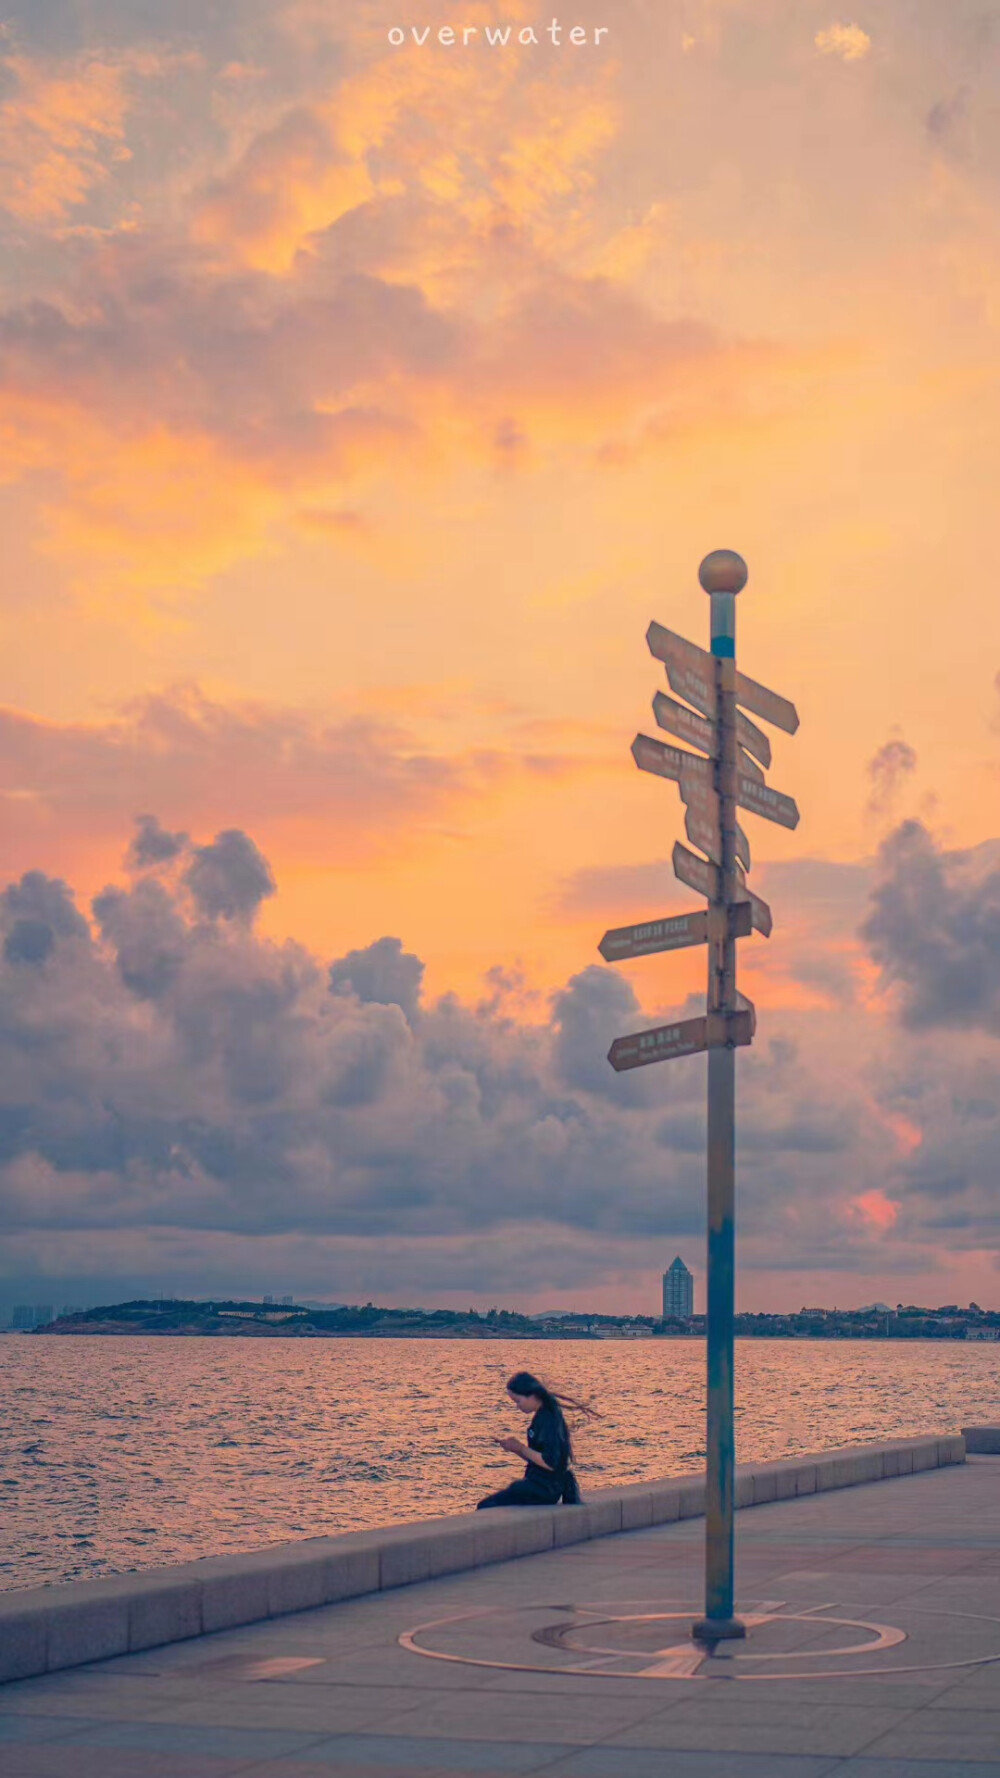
652	1640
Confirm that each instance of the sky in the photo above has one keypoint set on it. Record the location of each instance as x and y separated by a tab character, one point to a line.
361	402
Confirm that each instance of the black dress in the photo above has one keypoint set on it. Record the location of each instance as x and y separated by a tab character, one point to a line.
541	1487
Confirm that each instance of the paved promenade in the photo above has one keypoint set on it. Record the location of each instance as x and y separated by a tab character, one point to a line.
874	1611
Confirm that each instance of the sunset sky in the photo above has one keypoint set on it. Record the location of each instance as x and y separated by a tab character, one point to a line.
359	407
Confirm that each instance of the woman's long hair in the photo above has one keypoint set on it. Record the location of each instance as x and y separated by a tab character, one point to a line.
524	1383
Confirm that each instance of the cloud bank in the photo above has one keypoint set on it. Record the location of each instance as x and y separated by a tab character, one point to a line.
181	1092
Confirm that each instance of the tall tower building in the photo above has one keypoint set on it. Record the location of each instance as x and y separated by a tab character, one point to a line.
678	1292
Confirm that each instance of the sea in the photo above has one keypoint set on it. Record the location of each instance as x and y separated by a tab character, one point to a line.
127	1453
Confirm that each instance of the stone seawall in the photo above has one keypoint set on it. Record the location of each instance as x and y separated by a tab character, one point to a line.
45	1629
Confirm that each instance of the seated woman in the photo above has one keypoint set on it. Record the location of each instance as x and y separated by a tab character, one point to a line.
547	1453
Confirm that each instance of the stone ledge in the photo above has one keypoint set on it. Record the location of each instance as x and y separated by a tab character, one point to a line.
982	1441
47	1629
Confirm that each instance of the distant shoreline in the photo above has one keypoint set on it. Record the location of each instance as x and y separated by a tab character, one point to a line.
200	1333
184	1319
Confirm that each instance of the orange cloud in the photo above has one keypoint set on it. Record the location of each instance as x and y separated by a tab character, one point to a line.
289	184
849	42
62	130
874	1209
470	141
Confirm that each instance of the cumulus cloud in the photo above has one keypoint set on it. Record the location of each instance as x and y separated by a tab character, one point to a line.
229	878
597	1006
36	912
175	1078
382	974
152	845
146	934
933	927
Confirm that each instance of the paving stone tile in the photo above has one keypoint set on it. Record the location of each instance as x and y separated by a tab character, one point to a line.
491	1717
836	1733
916	1738
62	1760
943	1767
28	1730
976	1690
309	1769
182	1739
634	1762
322	1710
115	1700
426	1754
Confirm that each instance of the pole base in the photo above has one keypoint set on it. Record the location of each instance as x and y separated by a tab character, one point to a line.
710	1630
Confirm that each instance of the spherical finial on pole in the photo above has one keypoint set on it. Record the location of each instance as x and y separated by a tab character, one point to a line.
723	572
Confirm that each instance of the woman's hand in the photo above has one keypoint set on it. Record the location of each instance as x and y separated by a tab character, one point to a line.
511	1444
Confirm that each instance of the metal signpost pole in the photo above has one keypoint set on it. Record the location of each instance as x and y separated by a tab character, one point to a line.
723	576
723	774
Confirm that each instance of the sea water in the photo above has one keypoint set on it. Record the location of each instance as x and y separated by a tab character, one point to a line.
126	1453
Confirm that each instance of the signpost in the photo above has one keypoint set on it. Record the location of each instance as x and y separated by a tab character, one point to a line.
724	774
672	934
707	1032
668	762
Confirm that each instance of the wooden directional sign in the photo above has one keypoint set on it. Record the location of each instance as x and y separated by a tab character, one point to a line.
703	878
690	670
704	833
767	704
702	830
686	1038
749	767
667	762
692	870
760	914
676	931
677	719
774	805
670	934
753	739
702	820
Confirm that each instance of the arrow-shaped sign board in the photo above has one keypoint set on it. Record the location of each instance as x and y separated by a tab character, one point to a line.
753	739
675	932
749	767
774	805
703	878
668	762
691	672
686	1038
765	703
760	914
704	815
678	720
704	833
671	934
